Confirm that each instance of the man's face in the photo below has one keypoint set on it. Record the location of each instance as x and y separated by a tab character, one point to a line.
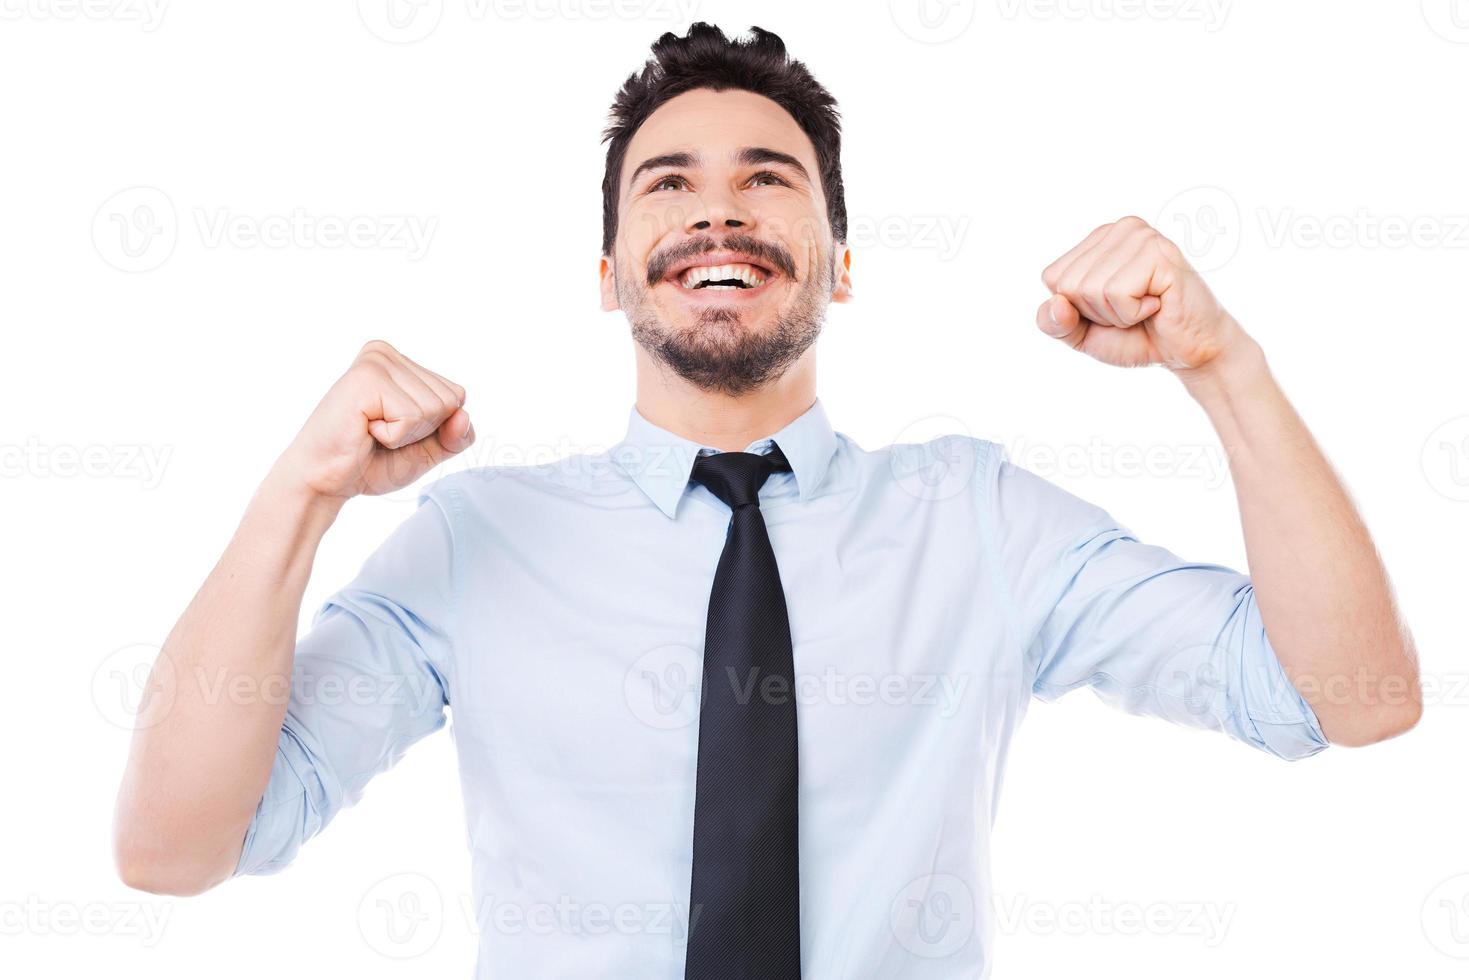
724	259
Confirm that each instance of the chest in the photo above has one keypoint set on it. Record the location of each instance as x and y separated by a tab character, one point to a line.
580	644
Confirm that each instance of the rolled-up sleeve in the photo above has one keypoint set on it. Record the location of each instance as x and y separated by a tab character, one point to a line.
370	678
1149	632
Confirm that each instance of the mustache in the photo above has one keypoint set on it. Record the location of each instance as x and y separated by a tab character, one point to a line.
767	253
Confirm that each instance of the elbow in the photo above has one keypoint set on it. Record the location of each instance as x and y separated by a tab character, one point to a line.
156	866
1369	726
1398	722
165	877
154	879
1376	704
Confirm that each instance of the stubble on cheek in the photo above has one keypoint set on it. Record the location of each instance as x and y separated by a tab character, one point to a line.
723	348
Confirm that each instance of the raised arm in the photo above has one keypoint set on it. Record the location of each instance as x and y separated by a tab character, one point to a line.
207	731
1127	296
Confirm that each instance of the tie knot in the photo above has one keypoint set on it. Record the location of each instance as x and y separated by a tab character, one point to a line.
736	478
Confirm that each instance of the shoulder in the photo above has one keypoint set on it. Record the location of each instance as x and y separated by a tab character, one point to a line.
576	477
1007	494
936	467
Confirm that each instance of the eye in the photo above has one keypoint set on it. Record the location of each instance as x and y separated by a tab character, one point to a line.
768	175
662	183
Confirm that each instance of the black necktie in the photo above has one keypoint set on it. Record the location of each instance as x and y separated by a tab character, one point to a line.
745	899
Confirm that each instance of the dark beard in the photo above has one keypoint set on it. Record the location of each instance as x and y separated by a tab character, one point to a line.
716	354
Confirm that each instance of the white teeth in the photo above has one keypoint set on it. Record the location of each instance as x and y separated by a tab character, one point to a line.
708	273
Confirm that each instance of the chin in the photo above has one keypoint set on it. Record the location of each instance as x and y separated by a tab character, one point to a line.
716	322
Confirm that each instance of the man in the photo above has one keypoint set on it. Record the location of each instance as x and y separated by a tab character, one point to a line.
738	667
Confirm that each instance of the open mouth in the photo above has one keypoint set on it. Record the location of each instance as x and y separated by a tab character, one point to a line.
736	276
724	275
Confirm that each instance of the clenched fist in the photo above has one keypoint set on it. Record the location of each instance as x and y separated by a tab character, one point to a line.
385	423
1127	296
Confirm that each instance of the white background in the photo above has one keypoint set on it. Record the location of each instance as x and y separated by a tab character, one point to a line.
1290	147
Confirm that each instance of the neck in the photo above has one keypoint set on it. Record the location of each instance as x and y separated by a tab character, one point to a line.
729	423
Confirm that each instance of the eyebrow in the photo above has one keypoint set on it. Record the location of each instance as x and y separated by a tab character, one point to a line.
749	156
752	156
680	159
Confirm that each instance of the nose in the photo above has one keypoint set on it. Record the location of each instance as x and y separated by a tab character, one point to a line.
718	208
705	225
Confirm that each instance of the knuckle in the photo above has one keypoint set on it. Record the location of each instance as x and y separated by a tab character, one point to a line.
378	347
370	371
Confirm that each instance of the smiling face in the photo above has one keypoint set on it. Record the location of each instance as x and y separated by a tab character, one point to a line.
724	260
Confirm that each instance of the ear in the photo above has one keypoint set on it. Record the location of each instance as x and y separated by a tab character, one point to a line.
608	286
842	292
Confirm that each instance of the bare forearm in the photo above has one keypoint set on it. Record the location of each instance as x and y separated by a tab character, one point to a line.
1128	296
1323	593
206	735
207	731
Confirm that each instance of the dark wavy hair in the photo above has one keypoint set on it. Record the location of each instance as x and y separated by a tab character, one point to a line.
705	58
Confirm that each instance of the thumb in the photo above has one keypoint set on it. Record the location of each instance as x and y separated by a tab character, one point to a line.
1149	307
454	436
451	438
1059	319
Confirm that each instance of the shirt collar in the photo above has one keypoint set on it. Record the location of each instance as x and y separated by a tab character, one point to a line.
660	462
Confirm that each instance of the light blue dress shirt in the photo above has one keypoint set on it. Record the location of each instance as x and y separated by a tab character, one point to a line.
557	614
